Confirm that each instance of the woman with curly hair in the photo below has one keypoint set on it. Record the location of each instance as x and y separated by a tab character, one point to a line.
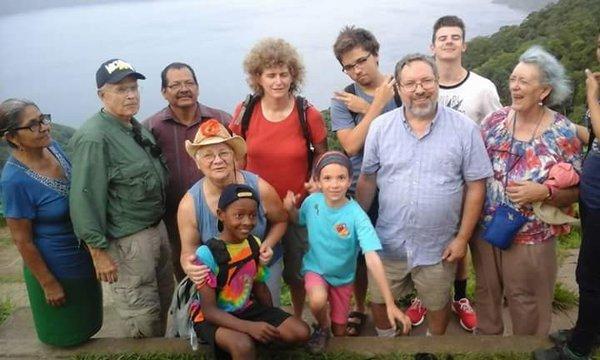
285	135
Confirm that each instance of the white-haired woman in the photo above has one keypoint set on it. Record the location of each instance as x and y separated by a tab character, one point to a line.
524	141
215	152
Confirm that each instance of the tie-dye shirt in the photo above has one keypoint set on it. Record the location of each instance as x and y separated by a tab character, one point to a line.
529	161
235	295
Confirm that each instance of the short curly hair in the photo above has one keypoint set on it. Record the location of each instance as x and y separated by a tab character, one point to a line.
271	52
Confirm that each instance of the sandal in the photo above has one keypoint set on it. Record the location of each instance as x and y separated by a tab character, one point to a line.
356	321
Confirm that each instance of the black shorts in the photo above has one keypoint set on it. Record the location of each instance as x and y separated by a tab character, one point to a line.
256	312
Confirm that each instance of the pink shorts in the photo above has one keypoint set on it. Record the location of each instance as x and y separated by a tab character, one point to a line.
339	296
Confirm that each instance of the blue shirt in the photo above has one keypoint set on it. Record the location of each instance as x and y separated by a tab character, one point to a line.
334	237
45	201
341	118
421	181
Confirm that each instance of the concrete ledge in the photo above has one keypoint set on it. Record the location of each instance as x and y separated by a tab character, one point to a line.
368	346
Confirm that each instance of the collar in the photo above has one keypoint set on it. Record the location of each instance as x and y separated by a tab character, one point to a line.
431	126
114	121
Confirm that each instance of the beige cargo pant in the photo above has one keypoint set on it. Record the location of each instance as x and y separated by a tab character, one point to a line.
142	294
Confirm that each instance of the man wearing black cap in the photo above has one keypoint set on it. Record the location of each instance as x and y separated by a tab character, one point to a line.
117	200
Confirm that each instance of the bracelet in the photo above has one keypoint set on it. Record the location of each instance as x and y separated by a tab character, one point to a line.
550	192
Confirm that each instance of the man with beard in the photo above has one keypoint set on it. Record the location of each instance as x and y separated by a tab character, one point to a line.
430	165
117	201
171	126
352	111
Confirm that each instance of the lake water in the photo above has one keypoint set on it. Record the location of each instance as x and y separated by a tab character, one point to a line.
51	56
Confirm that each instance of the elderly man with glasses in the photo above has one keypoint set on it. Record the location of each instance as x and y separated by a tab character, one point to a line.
430	165
171	126
117	200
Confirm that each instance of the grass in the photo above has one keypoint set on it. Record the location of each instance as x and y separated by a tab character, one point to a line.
302	355
564	298
6	307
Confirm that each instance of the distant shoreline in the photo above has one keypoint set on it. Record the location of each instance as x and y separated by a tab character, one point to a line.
527	5
8	8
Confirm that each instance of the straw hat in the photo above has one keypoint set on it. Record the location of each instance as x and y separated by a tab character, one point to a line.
213	132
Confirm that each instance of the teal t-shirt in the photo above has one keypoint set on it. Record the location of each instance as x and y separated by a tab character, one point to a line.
334	238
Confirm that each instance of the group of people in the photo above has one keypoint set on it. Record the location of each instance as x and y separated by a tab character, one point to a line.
431	165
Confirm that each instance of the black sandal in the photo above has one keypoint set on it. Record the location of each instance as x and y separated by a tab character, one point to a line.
356	321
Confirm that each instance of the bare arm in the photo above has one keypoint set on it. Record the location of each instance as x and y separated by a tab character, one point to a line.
190	240
276	214
365	190
22	234
527	192
472	206
320	149
353	140
262	294
289	203
260	331
376	269
592	83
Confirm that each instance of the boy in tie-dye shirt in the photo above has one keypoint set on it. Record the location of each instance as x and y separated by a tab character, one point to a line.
236	307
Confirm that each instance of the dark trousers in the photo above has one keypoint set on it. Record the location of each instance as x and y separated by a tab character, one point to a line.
588	277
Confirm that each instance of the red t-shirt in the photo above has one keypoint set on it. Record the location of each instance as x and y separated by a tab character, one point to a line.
277	150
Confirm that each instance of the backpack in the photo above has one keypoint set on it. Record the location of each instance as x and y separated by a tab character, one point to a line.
352	90
301	104
181	310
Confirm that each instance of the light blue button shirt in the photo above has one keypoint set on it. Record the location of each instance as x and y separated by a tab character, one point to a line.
421	181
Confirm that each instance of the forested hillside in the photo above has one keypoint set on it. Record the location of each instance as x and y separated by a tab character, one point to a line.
568	29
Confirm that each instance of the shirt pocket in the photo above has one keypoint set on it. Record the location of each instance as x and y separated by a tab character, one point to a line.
135	181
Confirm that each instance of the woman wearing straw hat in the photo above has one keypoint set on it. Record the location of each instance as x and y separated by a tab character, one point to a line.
216	153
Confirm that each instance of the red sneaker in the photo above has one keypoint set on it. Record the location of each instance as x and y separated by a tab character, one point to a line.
465	313
416	312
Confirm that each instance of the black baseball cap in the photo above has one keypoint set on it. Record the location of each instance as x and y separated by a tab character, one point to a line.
232	193
114	70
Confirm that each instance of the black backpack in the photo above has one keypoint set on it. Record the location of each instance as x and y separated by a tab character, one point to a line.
222	258
301	104
352	90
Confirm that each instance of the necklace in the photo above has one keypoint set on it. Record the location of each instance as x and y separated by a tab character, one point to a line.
537	126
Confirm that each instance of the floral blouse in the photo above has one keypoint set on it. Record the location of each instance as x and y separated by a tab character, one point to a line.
527	160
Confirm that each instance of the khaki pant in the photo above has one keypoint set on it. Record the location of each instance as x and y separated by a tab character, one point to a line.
432	282
525	275
143	292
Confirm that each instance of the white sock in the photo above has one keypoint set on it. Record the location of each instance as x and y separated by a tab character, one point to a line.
428	333
387	333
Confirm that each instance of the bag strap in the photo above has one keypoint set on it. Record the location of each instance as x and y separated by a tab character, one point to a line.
352	90
218	248
302	105
255	249
247	108
219	251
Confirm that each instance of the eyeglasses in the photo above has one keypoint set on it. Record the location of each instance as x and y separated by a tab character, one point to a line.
180	85
36	125
359	62
124	90
209	157
426	84
155	150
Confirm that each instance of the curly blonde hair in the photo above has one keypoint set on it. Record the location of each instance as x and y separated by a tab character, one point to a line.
271	52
